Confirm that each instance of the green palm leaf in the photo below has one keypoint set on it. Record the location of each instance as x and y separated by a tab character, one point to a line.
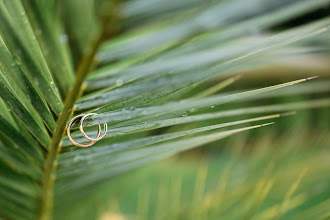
134	63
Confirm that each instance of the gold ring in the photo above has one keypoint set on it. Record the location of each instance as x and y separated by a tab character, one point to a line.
76	143
105	127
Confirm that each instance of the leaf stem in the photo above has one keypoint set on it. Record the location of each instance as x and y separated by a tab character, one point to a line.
46	200
109	29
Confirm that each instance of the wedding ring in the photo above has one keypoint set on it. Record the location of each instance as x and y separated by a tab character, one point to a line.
105	127
76	143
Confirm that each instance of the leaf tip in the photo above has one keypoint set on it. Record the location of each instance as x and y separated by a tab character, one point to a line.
267	124
310	78
287	113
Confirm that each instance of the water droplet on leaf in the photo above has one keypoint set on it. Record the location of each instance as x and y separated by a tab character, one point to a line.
119	82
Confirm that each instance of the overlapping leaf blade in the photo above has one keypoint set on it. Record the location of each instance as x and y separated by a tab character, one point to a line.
31	120
130	159
25	88
52	39
186	73
182	107
20	40
205	18
118	129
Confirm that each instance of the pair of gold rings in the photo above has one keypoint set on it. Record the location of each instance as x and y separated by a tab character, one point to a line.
92	140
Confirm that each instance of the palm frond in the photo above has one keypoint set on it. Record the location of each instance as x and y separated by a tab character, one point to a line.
145	58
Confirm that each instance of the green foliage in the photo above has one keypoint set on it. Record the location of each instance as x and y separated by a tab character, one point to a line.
144	59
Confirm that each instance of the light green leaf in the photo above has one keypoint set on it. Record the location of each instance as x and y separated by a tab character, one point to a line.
238	54
127	160
160	36
117	130
174	109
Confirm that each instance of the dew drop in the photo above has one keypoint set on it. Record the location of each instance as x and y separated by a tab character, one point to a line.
119	82
77	159
212	106
192	110
63	38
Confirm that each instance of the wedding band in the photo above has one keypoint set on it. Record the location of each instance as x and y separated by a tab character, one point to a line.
76	143
105	127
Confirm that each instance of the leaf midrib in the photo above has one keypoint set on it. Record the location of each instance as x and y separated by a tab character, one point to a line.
84	67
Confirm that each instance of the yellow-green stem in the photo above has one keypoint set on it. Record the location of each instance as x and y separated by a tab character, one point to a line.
46	200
